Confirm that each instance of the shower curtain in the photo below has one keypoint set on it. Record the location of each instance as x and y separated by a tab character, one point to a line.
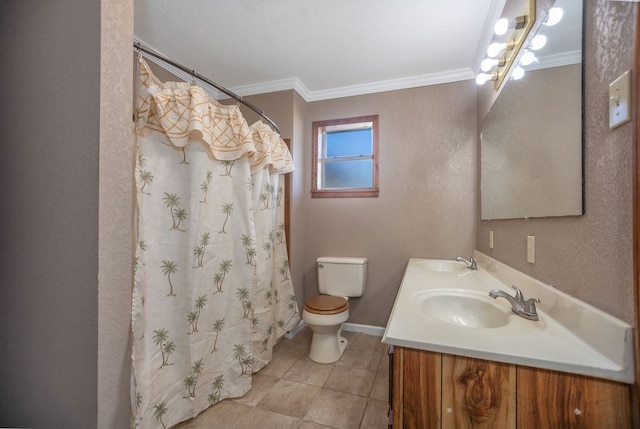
212	291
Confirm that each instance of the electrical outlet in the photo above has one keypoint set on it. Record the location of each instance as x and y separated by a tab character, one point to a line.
531	249
490	239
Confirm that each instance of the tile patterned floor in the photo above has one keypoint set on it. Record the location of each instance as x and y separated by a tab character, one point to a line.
293	392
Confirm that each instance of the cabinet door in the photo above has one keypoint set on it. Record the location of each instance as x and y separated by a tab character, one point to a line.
416	389
477	394
549	399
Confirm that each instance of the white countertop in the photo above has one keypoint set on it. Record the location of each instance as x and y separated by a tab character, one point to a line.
571	336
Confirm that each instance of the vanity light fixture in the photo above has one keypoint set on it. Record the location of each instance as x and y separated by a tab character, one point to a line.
503	25
517	73
538	42
482	78
554	17
528	58
505	48
496	48
489	63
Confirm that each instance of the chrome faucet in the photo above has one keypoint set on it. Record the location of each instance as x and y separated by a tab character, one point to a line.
520	306
472	264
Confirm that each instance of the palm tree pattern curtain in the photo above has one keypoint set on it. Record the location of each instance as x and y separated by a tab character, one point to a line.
212	291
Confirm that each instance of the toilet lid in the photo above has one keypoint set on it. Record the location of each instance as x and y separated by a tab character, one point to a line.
326	304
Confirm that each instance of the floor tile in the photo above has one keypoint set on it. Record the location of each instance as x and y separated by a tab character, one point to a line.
260	385
348	335
290	398
312	425
293	349
380	388
361	341
375	415
360	359
292	392
350	380
309	372
278	366
337	409
383	367
224	414
304	336
258	418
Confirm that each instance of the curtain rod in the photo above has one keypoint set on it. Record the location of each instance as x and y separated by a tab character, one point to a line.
140	48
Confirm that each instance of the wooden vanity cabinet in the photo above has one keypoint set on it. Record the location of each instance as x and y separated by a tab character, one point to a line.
433	390
416	393
551	399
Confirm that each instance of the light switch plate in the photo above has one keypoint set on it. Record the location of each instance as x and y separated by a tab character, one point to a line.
490	239
620	100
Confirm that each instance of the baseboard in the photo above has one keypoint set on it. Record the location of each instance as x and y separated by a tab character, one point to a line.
295	331
376	331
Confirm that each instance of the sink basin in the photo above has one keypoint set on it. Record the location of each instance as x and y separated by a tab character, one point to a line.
465	309
443	265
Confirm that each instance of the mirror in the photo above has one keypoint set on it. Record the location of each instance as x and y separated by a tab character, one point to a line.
531	139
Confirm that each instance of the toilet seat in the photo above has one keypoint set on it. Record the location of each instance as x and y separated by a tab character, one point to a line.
326	304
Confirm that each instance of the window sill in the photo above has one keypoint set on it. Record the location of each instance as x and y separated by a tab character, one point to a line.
351	193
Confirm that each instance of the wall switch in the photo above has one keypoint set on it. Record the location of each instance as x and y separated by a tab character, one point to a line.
531	249
620	100
490	239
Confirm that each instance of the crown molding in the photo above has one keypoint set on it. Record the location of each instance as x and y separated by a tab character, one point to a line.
353	90
325	94
273	86
557	60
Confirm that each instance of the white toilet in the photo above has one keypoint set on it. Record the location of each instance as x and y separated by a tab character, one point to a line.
338	279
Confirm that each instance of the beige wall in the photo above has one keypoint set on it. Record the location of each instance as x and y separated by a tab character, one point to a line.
426	206
115	214
49	163
65	217
300	178
589	257
287	110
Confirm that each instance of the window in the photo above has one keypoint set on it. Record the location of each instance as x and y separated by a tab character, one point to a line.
345	158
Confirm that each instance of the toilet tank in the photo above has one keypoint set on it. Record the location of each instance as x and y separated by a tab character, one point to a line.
342	276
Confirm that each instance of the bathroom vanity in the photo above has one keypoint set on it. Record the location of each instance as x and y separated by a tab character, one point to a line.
462	359
438	390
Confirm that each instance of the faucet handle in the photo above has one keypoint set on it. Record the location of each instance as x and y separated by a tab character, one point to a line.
471	264
474	264
519	297
530	306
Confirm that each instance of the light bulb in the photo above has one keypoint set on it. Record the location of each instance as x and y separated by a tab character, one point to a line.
482	78
517	73
495	49
488	63
528	58
538	42
555	15
501	26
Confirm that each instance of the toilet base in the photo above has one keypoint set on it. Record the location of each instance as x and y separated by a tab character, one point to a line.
327	345
327	348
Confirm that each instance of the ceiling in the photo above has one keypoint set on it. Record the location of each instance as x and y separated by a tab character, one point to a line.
322	49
